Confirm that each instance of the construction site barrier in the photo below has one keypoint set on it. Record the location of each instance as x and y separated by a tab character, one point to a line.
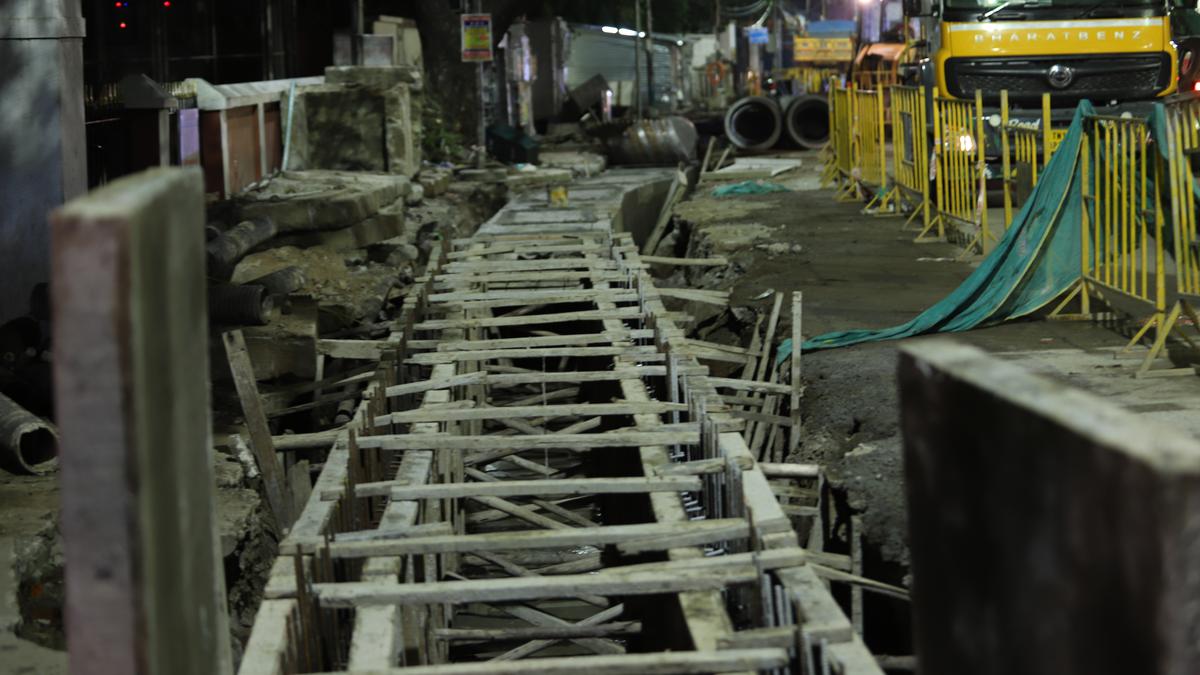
910	152
1182	145
961	174
840	169
1123	258
870	137
1024	147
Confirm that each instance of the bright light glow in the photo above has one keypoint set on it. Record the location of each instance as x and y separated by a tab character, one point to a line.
609	29
642	34
966	143
166	3
627	32
1196	87
122	24
679	42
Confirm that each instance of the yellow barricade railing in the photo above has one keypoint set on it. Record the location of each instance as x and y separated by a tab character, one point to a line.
869	136
1179	175
1123	224
841	115
961	180
1025	145
910	152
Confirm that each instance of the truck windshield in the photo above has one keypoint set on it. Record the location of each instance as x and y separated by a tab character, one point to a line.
1000	6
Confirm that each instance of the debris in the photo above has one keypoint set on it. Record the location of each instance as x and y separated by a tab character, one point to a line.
749	187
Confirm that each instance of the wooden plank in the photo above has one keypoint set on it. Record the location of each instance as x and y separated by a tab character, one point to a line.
533	296
773	470
549	441
692	533
534	320
526	265
675	195
548	411
511	589
797	345
545	341
537	377
664	663
520	488
540	618
694	295
685	262
749	385
536	632
274	481
131	363
363	350
648	353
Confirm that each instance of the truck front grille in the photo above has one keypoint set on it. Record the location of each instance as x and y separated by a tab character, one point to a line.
1098	77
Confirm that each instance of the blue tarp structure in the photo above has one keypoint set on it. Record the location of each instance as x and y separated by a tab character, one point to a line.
1036	261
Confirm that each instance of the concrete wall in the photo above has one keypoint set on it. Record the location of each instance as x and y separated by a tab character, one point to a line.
43	159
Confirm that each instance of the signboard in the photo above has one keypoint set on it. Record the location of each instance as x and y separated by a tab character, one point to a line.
476	37
758	35
807	50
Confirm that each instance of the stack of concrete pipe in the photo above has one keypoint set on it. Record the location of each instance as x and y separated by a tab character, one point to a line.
758	123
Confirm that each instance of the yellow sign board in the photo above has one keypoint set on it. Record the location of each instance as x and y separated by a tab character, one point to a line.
476	37
808	50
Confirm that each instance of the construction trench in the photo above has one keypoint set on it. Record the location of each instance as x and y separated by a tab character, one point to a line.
650	538
653	403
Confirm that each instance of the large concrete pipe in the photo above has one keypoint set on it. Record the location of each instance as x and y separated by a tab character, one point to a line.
754	123
806	121
667	141
28	443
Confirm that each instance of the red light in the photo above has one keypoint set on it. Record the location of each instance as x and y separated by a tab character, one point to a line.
117	5
122	25
166	3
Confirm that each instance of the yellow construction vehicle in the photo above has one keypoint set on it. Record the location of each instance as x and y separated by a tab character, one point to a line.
1111	52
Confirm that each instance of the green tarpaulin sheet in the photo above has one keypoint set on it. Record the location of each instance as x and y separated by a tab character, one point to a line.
749	187
1035	262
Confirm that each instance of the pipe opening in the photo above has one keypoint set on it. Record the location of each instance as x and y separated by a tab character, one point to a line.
37	450
807	121
754	123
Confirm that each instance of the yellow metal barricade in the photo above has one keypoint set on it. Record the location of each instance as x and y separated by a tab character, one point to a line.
1123	258
841	111
870	147
1182	147
961	181
868	135
1024	144
910	152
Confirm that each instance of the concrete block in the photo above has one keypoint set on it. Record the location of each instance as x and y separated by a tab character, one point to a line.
380	78
339	128
402	131
1051	531
145	582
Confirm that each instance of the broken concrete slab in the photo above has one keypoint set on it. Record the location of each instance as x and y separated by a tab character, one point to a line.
321	200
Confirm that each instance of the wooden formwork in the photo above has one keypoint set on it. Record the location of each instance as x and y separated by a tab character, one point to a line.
542	466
